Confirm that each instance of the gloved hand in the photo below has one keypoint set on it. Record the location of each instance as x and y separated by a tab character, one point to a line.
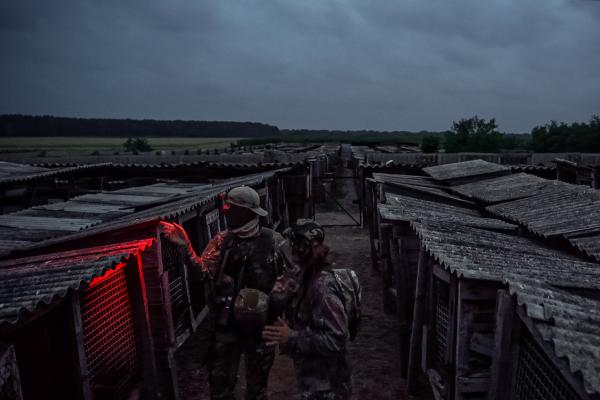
174	233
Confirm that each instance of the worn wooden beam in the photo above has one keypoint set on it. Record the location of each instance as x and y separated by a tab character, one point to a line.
401	277
419	317
501	359
84	389
385	235
139	305
464	318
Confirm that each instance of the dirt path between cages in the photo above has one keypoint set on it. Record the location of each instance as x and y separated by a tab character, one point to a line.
374	353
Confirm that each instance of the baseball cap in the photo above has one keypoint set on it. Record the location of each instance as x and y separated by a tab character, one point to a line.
245	196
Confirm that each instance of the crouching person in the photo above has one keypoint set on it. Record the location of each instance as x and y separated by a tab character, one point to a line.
318	331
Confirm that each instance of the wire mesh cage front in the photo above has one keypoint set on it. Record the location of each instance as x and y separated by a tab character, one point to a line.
440	325
172	264
537	378
109	336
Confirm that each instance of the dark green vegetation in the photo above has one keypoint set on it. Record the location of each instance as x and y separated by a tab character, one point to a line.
137	145
26	125
478	135
560	137
430	144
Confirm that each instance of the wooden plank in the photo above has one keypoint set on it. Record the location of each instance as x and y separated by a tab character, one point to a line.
83	384
385	234
139	304
478	384
401	277
62	224
452	303
501	359
482	344
477	290
463	322
418	320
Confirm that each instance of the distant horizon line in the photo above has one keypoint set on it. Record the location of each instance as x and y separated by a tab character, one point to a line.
364	130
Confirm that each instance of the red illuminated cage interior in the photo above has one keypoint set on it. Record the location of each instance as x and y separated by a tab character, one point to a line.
109	337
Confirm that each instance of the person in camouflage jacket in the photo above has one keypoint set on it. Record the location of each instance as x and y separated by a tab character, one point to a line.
244	256
317	334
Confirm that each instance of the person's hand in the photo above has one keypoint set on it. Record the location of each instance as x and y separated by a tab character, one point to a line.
174	233
276	334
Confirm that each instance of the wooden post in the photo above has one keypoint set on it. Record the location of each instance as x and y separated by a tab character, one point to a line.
400	266
139	304
386	275
159	309
85	391
418	319
463	323
501	359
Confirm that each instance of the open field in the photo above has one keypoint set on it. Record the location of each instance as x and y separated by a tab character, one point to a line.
86	144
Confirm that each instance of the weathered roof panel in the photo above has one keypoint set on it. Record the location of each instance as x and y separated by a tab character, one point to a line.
130	212
509	187
473	168
27	283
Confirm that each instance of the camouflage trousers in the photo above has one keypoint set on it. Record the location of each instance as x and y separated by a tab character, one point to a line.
223	366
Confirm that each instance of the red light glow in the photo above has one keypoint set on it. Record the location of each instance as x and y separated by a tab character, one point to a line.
99	279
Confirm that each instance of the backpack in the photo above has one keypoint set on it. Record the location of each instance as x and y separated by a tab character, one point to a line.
349	285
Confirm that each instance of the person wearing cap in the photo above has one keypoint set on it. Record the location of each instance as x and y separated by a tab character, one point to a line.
316	331
241	263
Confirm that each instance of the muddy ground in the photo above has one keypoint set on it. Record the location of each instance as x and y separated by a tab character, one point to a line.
373	354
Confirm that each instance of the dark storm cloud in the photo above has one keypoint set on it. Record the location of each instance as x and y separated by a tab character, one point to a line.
373	64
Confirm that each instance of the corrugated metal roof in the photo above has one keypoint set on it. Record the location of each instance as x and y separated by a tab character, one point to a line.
27	283
509	187
464	169
481	254
109	210
552	214
419	185
589	245
170	165
535	275
402	208
13	172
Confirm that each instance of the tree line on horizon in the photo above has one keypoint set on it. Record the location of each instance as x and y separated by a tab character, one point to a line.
479	135
466	135
28	125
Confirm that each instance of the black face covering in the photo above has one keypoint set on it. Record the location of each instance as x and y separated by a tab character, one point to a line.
238	216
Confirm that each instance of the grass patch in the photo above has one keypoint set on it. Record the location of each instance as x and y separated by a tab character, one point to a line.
87	144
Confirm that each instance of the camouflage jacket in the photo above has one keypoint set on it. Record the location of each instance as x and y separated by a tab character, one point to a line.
318	337
262	257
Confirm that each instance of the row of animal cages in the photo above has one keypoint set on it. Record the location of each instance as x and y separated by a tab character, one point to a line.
467	338
114	336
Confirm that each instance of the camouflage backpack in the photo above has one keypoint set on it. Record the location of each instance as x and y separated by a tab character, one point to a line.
349	284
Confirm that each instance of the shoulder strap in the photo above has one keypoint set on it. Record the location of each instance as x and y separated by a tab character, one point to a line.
227	246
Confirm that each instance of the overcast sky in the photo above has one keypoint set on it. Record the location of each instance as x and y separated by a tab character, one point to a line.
370	64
